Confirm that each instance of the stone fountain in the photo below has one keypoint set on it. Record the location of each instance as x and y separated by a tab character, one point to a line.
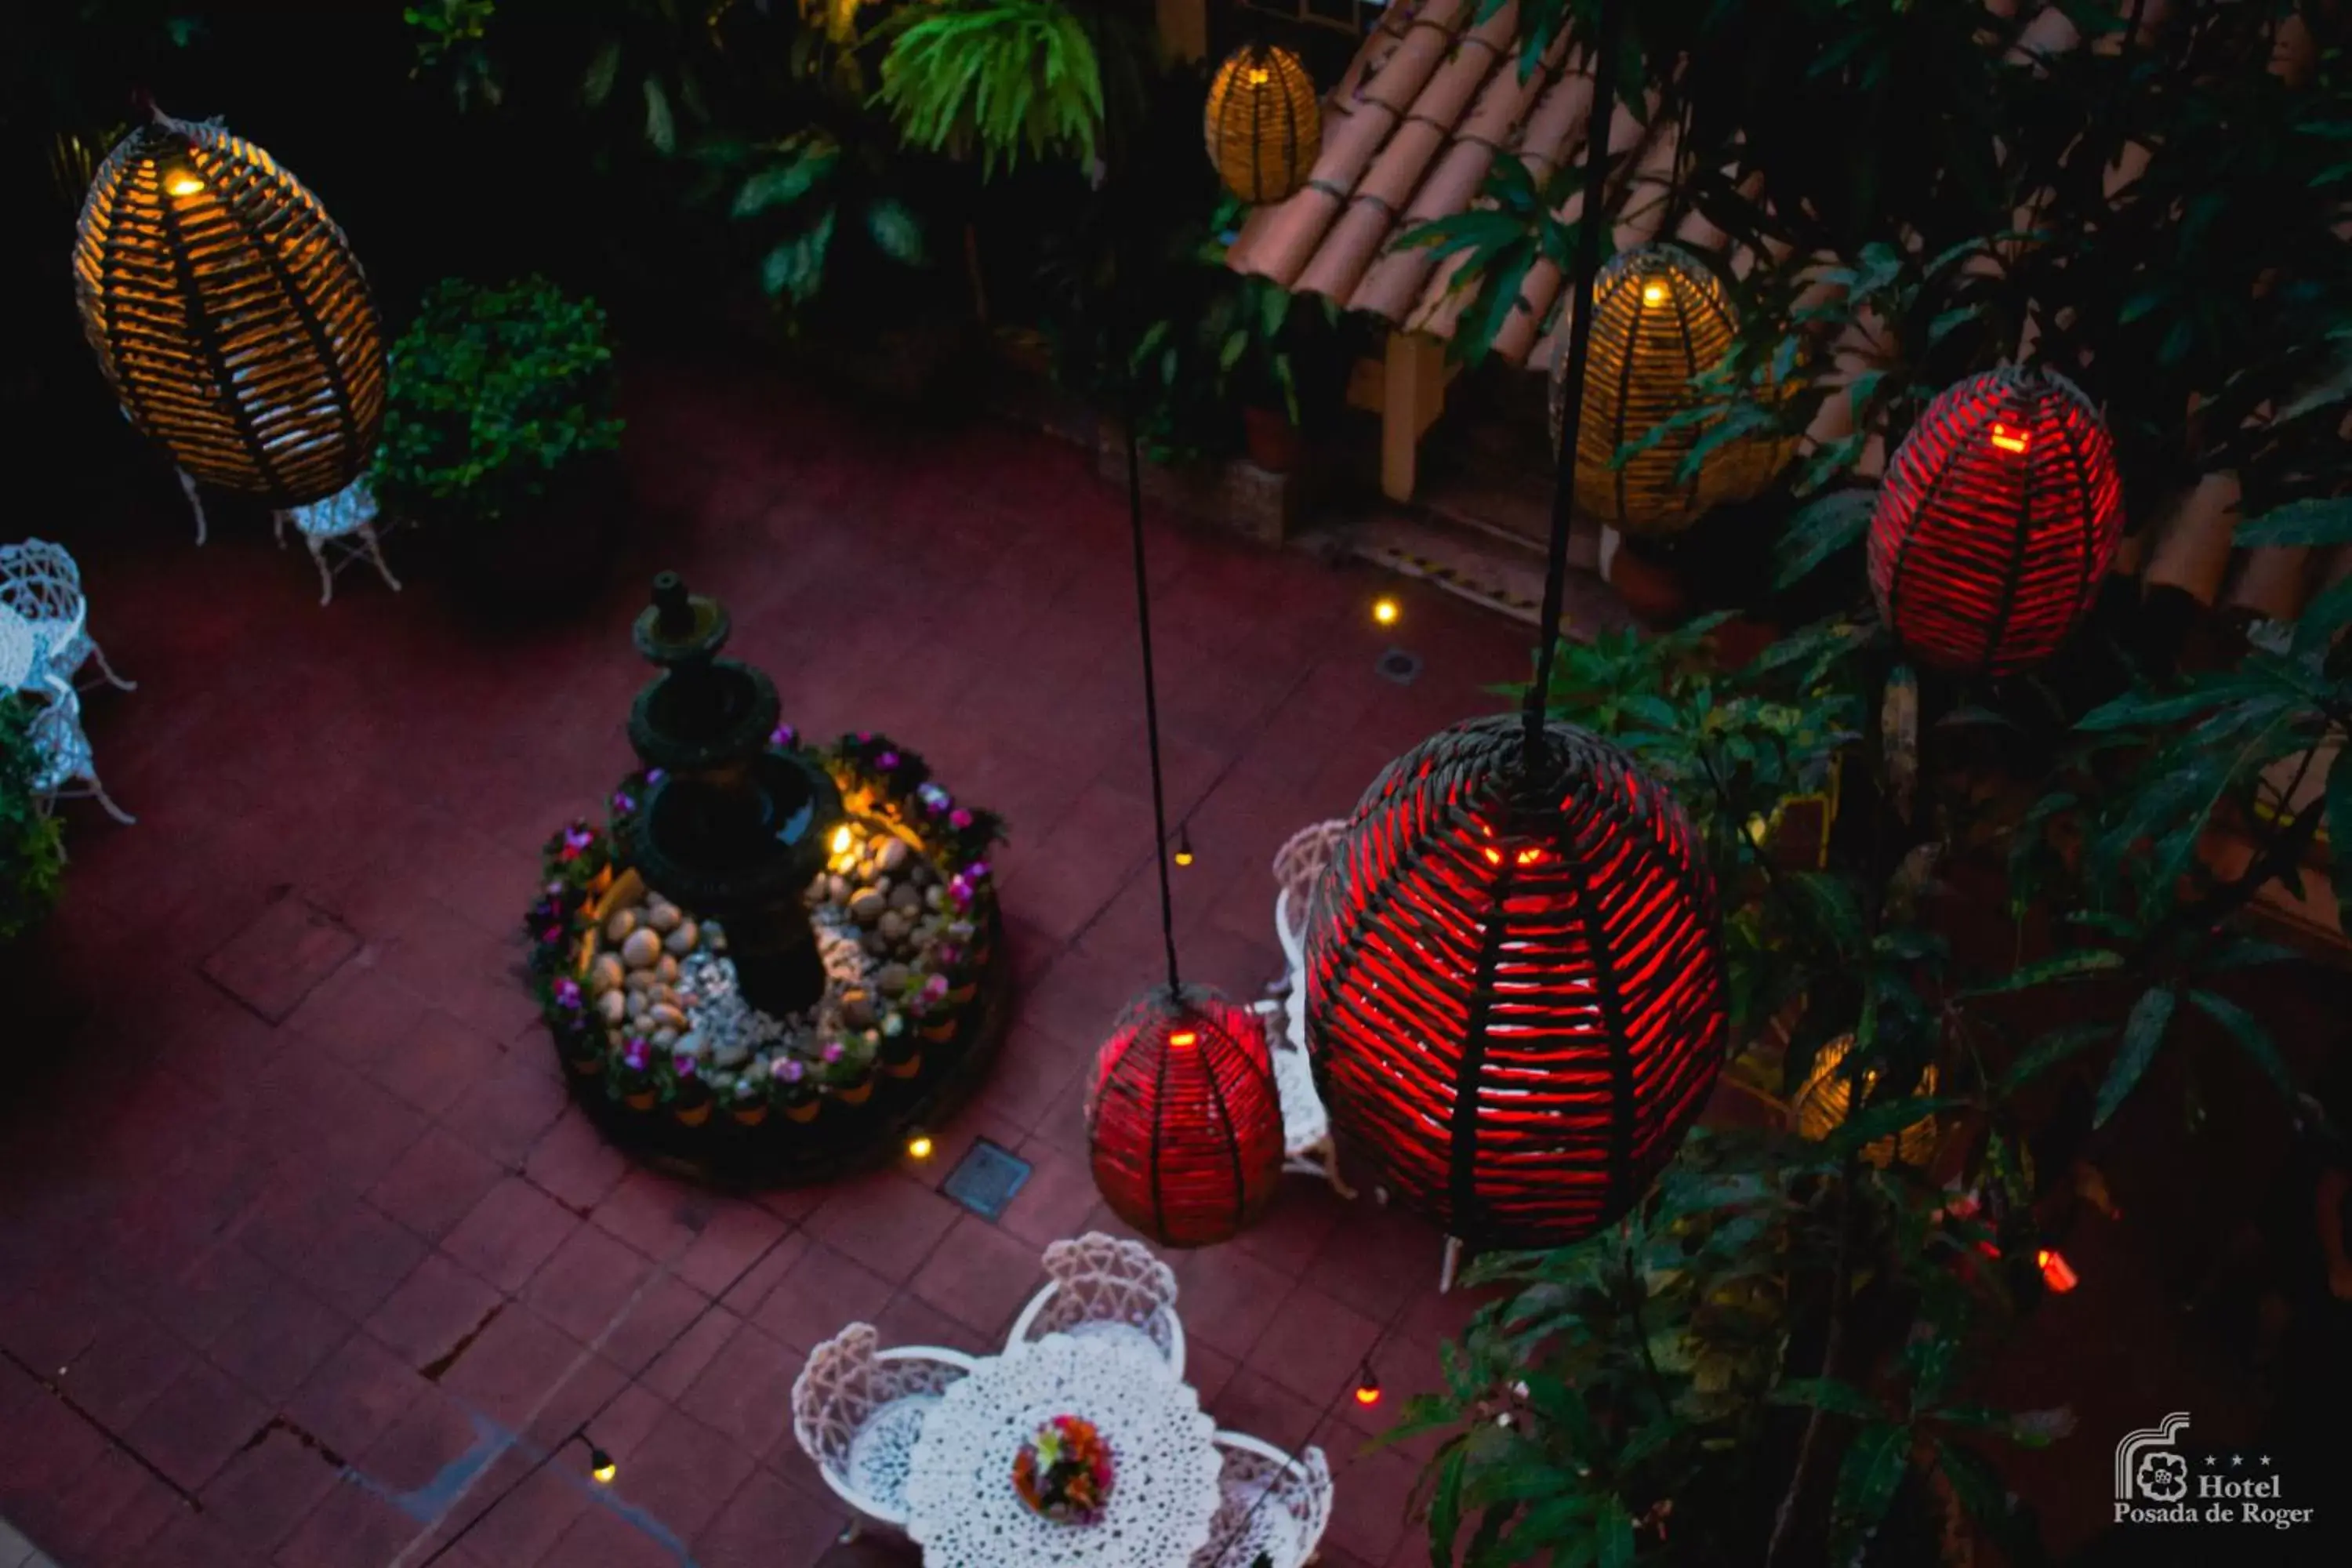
733	828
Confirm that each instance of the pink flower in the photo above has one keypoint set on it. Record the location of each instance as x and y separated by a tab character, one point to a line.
549	937
655	776
555	888
633	1054
622	803
791	1071
782	736
886	762
935	988
959	818
833	1050
567	991
976	872
685	1066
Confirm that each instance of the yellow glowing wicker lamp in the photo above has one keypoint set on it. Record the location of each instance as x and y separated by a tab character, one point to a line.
1263	125
1659	318
229	314
1825	1099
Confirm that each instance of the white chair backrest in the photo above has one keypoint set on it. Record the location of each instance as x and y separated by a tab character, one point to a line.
1257	1476
40	582
835	1395
1101	1278
1298	865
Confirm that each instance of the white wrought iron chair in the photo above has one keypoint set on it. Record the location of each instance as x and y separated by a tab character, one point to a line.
40	582
1305	1125
343	524
1105	1286
858	1412
1268	1503
67	770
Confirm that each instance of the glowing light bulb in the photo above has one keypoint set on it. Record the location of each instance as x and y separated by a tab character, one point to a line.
841	839
1654	293
1183	856
2007	439
1528	857
1384	611
918	1147
1368	1385
601	1466
1259	76
184	184
2057	1273
1184	1037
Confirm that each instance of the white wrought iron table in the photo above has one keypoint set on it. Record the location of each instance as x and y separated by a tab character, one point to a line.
961	1506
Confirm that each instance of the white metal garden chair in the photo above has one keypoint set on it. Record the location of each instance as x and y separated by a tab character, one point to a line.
339	530
1268	1503
41	582
1305	1125
66	771
858	1412
1103	1285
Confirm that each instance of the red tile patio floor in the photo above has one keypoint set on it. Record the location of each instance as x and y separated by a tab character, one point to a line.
273	1272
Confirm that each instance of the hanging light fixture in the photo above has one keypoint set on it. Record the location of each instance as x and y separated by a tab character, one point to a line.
1659	318
1516	992
1825	1099
1183	1120
1264	126
1998	517
229	314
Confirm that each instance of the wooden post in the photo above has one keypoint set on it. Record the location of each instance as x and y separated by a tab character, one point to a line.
1183	28
1413	394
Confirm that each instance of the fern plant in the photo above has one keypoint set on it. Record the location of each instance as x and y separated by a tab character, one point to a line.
32	852
1003	78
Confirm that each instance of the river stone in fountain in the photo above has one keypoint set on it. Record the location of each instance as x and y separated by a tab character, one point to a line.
641	950
612	1006
890	855
867	904
691	1044
663	917
618	928
857	1008
905	897
891	978
605	974
681	939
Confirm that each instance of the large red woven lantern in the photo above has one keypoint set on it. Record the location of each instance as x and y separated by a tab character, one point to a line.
1516	993
1999	517
1183	1120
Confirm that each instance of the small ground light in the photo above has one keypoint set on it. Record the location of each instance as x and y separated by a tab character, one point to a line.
1184	845
1368	1385
1385	611
601	1466
919	1146
841	839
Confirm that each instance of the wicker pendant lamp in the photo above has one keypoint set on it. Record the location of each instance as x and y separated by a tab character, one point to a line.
1998	517
1183	1117
229	314
1659	318
1825	1100
1265	126
1183	1120
1516	995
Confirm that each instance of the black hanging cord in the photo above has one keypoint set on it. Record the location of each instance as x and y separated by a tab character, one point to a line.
1598	120
1150	683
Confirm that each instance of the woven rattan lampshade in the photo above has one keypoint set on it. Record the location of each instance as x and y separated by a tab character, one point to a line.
1998	517
1659	318
1263	125
228	312
1516	991
1825	1100
1183	1118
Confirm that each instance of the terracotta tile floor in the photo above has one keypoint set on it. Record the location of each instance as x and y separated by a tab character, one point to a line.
304	1261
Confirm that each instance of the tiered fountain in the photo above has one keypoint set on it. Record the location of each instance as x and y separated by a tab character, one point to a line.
777	961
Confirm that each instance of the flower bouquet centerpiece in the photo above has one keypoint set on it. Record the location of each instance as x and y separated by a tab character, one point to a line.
1064	1472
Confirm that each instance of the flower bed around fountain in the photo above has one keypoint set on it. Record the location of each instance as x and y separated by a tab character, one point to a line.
667	1057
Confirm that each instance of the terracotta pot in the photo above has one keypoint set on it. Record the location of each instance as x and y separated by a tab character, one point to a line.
964	992
749	1115
588	1065
1273	441
940	1032
641	1101
908	1068
692	1115
803	1109
857	1093
1651	589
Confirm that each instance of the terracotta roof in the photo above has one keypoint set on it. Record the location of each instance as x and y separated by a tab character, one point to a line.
1430	102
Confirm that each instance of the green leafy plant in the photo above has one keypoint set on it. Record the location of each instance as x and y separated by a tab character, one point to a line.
822	209
1000	78
32	849
495	392
1279	350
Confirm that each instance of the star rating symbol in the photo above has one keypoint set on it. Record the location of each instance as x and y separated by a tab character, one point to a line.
2212	1460
2266	1461
2237	1459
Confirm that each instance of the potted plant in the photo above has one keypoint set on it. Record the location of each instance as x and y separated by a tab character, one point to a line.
795	1090
499	431
32	852
1279	361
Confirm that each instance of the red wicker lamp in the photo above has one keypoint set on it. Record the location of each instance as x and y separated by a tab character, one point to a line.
1998	517
1263	125
1516	993
229	314
1659	318
1183	1120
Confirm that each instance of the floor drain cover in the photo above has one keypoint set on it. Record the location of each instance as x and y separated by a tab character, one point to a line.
1399	666
985	1179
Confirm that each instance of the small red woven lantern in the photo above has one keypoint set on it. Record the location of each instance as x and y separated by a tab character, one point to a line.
1516	993
1998	517
1183	1118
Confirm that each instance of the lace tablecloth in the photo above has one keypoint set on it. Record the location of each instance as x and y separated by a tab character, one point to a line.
961	1503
